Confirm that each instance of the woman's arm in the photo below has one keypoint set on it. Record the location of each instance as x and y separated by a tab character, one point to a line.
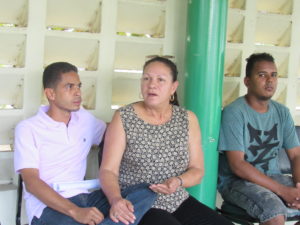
195	170
114	146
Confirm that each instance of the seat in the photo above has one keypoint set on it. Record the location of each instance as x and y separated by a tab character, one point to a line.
236	214
239	215
19	201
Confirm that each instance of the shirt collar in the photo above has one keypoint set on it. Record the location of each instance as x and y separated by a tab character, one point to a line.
51	122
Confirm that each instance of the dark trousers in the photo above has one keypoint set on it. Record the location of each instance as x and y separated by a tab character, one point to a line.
190	212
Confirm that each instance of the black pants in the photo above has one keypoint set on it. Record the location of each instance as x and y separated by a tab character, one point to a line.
190	212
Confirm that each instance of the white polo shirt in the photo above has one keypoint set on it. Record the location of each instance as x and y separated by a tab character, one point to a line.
58	151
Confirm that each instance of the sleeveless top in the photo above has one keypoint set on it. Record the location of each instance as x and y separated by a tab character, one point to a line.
155	153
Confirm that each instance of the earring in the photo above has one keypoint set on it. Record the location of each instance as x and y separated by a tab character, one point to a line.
141	96
172	98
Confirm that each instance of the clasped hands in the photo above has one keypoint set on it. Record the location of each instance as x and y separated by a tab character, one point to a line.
291	195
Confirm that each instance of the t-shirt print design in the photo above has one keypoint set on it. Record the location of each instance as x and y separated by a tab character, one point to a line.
261	144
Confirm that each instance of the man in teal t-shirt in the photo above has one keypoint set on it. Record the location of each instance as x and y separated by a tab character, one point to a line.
254	129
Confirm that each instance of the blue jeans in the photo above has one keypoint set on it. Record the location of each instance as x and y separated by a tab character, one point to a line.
139	195
258	201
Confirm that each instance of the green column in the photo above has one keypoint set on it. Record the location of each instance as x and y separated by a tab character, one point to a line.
206	38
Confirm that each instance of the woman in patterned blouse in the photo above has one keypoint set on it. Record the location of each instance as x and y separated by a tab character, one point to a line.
157	142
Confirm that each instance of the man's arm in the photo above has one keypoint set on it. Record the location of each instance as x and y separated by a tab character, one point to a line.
294	156
49	197
246	171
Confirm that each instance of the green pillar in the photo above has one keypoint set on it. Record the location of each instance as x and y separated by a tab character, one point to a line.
206	38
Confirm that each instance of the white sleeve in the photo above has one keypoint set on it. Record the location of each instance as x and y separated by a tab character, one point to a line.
99	129
26	154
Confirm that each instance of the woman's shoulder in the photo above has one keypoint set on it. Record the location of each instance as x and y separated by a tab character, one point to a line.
179	109
184	114
130	106
182	110
128	111
192	116
126	108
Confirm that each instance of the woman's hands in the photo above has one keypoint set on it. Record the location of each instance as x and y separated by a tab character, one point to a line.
167	187
122	210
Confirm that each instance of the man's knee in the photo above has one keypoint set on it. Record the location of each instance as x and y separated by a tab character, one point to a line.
259	202
277	220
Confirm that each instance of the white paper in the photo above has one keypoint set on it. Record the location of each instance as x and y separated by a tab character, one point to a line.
84	184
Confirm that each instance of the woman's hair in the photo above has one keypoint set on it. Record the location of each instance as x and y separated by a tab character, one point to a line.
173	68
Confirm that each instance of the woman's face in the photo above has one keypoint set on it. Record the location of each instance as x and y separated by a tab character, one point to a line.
157	84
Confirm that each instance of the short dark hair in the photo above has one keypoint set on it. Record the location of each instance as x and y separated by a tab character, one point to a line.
257	57
172	66
52	73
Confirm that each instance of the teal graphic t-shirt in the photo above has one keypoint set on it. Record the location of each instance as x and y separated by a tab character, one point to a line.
259	135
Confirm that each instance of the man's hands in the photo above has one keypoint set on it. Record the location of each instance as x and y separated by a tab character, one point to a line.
291	195
122	210
90	216
167	187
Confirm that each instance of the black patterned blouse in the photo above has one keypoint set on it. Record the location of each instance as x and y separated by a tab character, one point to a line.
155	153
